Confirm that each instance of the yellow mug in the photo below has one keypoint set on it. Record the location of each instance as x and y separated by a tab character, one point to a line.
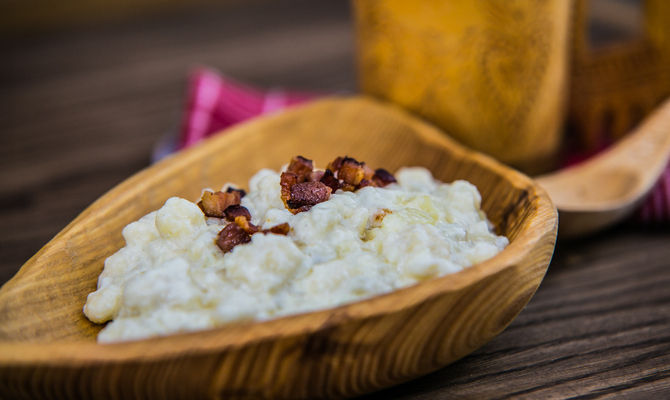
490	73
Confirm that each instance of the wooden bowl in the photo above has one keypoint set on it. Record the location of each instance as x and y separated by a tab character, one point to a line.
48	347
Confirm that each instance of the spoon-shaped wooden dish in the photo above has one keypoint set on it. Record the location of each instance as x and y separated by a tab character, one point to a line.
48	348
607	188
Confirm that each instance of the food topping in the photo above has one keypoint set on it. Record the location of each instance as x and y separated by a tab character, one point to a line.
235	211
330	180
240	231
230	236
247	226
241	192
351	171
307	194
301	167
281	229
214	204
316	176
382	177
352	175
302	187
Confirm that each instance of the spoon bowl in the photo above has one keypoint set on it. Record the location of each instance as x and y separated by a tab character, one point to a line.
48	348
605	189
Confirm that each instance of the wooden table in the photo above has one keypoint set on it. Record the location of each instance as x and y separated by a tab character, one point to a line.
81	110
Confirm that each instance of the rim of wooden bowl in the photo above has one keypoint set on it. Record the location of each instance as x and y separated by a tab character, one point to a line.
542	222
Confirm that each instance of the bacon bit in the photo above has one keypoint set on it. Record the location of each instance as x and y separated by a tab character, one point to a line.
382	177
302	167
230	236
240	231
237	211
351	172
233	190
247	226
336	164
316	176
368	172
287	181
281	229
330	180
307	194
301	188
214	204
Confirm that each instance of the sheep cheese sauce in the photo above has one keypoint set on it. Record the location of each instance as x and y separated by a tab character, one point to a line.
298	241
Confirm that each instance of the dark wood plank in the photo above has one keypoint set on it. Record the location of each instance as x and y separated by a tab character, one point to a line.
81	111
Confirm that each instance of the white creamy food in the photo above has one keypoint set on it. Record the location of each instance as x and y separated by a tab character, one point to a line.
171	276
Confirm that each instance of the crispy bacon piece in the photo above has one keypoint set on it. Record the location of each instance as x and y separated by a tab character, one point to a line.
230	236
237	211
281	229
351	172
368	172
345	173
300	195
330	180
287	181
247	226
308	194
214	204
336	164
382	177
231	189
301	167
316	176
240	231
301	188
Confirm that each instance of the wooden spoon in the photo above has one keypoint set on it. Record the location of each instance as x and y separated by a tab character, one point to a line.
607	188
48	348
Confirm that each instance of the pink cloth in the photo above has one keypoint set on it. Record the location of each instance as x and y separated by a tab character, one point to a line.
656	207
216	102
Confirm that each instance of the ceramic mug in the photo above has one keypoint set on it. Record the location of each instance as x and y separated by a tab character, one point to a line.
490	73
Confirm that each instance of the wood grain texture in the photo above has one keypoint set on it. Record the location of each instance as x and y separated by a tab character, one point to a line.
596	328
470	68
349	350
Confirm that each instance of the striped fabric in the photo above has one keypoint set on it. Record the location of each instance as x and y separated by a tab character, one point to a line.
216	102
655	209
